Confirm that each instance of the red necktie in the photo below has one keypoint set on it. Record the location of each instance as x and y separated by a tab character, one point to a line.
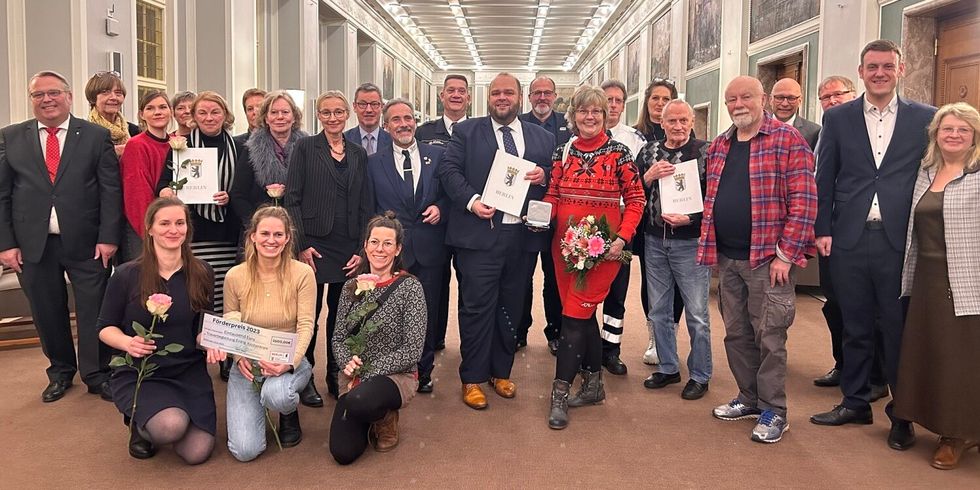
52	153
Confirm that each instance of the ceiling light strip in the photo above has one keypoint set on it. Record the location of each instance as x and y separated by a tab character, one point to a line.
539	21
464	29
400	14
602	13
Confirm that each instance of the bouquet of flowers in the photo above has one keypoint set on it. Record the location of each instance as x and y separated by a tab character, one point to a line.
585	245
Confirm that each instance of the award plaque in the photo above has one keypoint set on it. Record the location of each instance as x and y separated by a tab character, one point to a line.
539	214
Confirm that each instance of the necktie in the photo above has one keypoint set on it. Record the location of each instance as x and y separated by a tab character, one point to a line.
451	128
409	183
52	153
509	145
369	143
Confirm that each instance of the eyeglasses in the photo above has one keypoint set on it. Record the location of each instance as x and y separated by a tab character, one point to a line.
590	112
100	74
949	130
52	94
364	105
543	93
786	98
374	243
339	113
834	95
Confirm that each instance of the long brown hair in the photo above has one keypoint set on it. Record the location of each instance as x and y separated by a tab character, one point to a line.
200	283
385	220
283	270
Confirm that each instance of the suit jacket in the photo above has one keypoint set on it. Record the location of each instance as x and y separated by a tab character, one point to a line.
464	170
353	135
423	243
562	134
86	192
310	181
434	133
810	130
847	178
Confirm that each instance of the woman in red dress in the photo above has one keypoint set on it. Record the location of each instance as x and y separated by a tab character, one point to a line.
595	176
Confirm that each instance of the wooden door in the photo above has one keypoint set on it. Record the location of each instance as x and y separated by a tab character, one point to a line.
958	59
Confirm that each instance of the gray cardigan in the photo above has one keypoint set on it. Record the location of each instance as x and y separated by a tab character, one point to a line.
961	218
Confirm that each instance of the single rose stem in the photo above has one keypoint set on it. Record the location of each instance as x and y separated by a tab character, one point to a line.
139	378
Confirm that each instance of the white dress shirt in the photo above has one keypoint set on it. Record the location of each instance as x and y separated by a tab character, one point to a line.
518	133
629	136
62	134
449	123
416	162
881	126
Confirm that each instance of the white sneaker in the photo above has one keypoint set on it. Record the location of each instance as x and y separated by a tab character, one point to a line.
650	357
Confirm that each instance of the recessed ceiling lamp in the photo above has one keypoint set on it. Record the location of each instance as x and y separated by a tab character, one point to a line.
601	15
464	30
401	16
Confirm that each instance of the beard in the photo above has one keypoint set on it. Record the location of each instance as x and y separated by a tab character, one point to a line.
502	116
542	109
743	120
403	139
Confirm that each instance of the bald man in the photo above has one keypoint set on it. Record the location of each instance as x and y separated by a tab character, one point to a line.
785	99
759	167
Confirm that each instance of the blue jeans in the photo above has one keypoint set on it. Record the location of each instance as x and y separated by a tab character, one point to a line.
246	408
670	260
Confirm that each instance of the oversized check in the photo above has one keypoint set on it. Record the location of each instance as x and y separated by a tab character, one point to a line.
242	339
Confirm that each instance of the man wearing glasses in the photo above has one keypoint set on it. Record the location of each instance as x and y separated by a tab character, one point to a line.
785	100
367	107
834	91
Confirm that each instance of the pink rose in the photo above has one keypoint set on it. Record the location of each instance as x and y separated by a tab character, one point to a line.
365	283
158	304
596	246
275	191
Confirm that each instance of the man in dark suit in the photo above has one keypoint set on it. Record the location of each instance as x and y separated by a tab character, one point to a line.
61	212
869	153
455	98
492	247
785	99
542	98
405	182
367	107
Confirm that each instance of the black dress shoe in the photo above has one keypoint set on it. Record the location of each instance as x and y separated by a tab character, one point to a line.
878	392
553	347
694	390
425	384
140	448
832	378
225	371
55	390
101	389
614	365
901	436
841	415
659	380
310	397
290	433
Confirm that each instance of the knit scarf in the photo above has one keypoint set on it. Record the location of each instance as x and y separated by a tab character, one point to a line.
268	165
118	131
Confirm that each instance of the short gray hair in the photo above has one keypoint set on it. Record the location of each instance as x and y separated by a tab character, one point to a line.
672	102
613	83
393	102
846	82
584	96
54	74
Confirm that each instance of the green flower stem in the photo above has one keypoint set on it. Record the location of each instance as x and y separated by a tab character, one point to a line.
275	432
139	378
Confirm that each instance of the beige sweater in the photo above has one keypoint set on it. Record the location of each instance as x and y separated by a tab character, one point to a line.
269	310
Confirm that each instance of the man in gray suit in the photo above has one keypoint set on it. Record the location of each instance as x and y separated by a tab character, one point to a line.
61	212
785	100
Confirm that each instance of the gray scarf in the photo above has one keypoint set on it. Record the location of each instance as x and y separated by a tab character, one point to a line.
263	158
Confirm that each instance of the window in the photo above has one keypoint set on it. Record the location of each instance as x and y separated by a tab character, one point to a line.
150	74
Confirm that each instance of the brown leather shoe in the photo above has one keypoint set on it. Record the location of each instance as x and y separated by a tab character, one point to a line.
504	387
473	396
384	433
947	456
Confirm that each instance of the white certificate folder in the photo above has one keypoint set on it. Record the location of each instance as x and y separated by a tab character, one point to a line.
506	188
200	167
680	193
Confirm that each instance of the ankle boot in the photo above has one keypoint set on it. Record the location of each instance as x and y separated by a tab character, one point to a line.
558	418
290	433
309	396
592	391
333	385
225	370
139	447
384	433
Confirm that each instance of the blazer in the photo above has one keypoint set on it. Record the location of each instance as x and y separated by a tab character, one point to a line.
310	180
434	133
423	243
808	129
464	170
961	223
353	135
86	192
847	178
562	134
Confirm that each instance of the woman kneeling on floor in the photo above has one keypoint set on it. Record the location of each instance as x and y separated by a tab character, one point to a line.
379	343
269	290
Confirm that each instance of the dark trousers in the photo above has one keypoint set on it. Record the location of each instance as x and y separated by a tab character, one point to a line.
333	299
442	307
552	301
614	308
835	323
44	285
431	279
492	287
868	280
367	403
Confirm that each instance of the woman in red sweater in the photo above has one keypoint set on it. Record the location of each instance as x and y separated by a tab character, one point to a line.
140	165
592	177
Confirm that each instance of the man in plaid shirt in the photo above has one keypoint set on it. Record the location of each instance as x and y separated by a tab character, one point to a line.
759	210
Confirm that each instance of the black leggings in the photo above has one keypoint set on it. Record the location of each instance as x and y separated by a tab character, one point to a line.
578	346
333	299
367	403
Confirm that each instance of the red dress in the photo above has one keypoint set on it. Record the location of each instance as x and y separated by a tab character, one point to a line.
598	173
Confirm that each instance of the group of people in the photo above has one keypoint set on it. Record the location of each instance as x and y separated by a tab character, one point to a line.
378	214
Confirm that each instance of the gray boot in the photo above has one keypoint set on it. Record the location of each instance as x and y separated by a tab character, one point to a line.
591	392
558	419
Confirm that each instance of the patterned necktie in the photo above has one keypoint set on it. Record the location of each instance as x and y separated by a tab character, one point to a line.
409	183
52	153
509	145
369	144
